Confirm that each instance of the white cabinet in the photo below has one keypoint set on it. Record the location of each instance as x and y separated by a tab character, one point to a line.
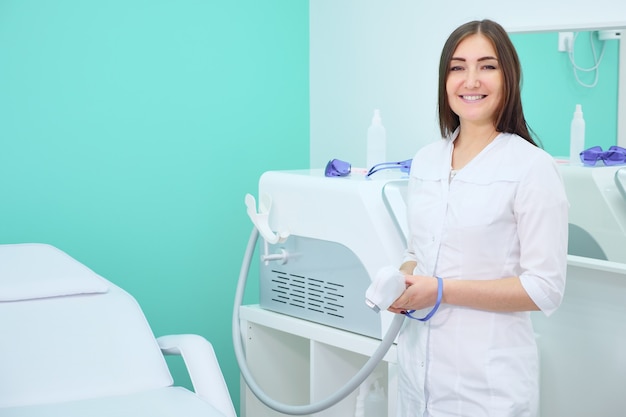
298	362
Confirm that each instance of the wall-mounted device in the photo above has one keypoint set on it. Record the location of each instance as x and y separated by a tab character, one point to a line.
610	34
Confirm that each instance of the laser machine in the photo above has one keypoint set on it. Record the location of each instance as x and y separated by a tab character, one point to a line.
584	339
323	240
597	214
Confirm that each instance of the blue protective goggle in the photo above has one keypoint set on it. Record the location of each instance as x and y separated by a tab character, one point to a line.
616	155
339	168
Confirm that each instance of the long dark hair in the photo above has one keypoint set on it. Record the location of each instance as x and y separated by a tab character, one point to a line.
510	117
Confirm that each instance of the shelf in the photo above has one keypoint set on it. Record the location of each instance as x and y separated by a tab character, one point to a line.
296	361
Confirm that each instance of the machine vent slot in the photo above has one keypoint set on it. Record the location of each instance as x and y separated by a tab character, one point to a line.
313	294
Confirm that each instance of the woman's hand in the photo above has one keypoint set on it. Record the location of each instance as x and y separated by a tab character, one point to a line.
420	293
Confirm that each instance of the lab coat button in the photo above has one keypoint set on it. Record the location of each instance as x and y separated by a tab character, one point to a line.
422	364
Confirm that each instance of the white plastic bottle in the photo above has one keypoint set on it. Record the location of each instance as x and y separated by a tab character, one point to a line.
375	402
577	136
376	141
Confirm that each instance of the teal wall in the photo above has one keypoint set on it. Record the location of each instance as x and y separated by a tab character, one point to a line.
130	131
550	91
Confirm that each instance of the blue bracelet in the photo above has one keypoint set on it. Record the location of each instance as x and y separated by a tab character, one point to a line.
435	308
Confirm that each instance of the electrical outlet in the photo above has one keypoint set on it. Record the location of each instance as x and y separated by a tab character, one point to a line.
566	41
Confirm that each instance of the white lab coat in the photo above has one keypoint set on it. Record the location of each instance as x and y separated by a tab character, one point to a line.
504	214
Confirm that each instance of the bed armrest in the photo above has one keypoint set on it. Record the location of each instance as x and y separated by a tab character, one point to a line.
203	367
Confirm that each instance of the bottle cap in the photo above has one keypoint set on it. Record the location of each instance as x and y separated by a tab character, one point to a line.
376	117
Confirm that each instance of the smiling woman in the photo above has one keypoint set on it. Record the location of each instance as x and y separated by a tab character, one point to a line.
488	217
474	92
474	82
